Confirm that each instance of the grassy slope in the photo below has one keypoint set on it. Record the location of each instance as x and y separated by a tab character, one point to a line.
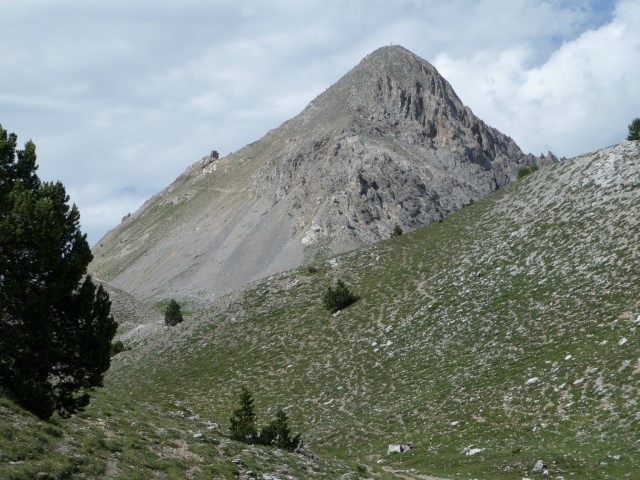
119	437
540	280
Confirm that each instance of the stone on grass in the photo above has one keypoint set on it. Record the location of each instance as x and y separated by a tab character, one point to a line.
471	450
393	448
540	467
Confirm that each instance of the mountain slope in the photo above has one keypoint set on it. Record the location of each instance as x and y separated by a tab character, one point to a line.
511	327
389	144
117	438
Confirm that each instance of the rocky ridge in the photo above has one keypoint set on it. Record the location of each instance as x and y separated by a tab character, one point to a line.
389	144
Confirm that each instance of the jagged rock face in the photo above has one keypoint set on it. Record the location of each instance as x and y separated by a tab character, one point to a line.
389	144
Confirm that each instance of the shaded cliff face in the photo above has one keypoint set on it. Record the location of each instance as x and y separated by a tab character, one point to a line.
389	144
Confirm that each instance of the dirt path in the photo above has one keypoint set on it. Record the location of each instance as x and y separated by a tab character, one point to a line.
410	476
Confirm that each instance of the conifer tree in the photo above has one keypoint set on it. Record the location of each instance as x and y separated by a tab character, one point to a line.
337	298
278	434
634	130
397	231
55	325
173	314
243	420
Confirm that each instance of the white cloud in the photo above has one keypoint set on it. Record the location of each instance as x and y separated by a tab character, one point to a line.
581	98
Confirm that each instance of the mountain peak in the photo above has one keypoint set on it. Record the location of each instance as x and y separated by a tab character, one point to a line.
389	144
394	83
393	55
393	52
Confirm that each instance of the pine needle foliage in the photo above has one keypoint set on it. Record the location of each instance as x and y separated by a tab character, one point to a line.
243	419
55	324
338	298
397	231
278	434
527	170
634	130
173	314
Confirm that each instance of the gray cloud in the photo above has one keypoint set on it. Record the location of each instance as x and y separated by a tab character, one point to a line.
120	97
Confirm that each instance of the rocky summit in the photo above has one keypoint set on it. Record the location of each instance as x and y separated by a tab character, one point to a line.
389	144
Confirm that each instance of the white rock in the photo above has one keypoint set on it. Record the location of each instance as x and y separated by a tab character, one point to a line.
374	344
568	357
455	424
539	467
623	341
399	448
578	381
532	381
473	451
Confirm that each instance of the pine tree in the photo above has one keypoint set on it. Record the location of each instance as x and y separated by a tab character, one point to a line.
173	314
337	298
243	420
55	325
278	434
634	130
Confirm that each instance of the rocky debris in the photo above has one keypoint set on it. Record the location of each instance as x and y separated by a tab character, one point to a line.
305	452
211	425
238	462
540	468
532	381
472	450
136	320
393	448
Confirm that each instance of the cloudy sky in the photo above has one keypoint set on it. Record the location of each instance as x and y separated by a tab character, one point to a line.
120	96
